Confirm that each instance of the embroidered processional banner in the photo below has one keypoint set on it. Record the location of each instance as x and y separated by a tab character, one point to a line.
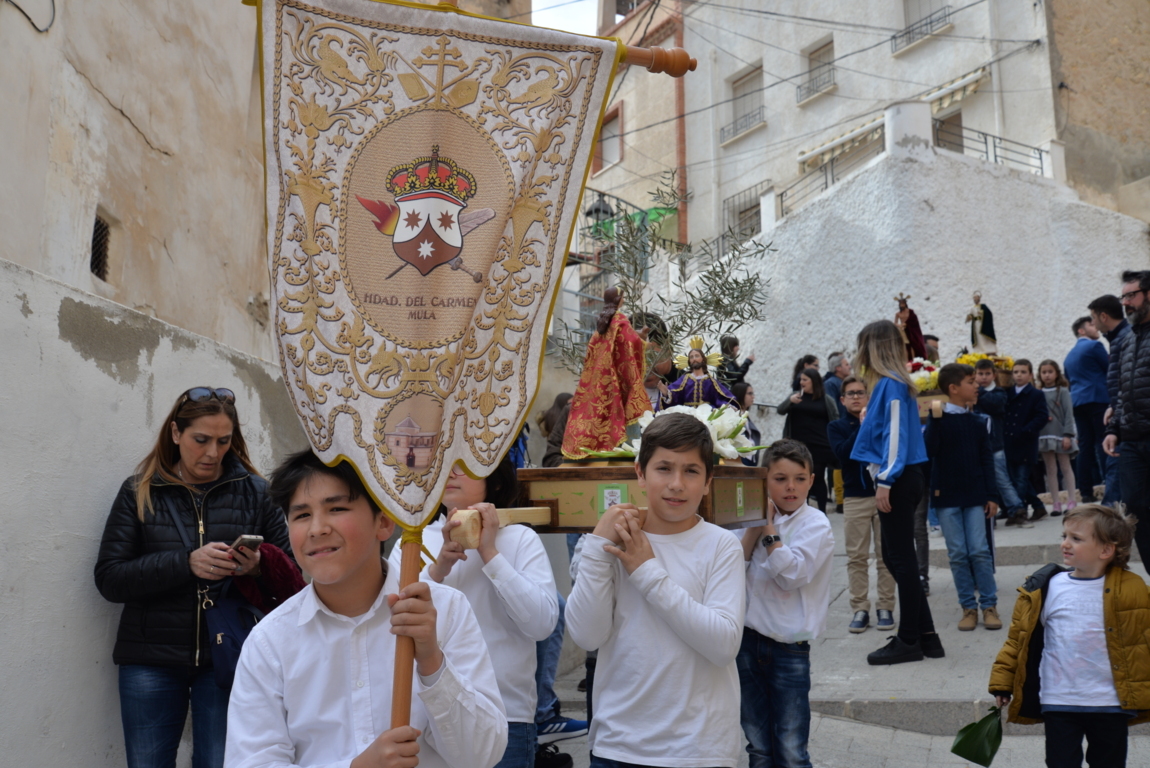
424	169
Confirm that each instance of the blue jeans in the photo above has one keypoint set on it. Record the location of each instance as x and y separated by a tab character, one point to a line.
1113	482
521	746
604	762
546	664
1020	477
154	705
964	529
1134	473
1002	479
775	708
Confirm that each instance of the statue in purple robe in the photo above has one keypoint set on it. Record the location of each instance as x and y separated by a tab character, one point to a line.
696	386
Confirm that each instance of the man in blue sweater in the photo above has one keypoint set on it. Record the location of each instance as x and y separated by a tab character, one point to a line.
964	494
1026	415
861	522
1086	366
1107	314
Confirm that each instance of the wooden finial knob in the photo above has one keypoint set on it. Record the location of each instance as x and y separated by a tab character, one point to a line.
675	62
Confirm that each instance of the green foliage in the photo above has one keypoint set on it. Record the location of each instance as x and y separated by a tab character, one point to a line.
715	293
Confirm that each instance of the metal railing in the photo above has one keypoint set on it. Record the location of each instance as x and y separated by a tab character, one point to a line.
921	29
993	149
743	123
831	172
819	79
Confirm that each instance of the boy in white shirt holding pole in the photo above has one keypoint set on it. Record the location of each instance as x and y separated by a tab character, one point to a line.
788	593
662	601
314	682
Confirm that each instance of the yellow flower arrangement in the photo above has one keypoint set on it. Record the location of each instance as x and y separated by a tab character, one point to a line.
1000	362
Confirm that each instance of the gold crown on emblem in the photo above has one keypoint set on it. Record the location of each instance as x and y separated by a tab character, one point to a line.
425	174
712	359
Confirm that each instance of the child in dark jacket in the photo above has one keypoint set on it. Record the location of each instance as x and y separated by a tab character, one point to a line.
1026	415
963	492
992	404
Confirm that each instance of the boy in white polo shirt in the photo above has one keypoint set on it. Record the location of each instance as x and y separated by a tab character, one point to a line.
662	601
788	591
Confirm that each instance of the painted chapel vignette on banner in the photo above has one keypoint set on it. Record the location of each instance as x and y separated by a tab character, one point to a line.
424	172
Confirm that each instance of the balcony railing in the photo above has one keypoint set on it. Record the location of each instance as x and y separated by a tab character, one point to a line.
993	149
743	124
831	172
819	79
921	29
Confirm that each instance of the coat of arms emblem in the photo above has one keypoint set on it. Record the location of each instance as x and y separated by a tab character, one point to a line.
428	221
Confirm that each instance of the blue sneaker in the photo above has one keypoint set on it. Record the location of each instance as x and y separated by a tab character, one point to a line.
560	728
885	619
860	622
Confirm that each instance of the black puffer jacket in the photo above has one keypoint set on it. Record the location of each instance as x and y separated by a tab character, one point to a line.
145	565
1131	419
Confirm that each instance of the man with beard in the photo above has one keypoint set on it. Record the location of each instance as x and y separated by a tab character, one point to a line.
1128	433
697	386
1107	313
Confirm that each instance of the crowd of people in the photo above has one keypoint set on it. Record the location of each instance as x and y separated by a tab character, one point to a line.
691	631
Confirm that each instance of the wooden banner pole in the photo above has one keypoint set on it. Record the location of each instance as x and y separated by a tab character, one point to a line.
404	646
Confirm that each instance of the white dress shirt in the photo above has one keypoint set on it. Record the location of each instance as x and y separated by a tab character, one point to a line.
515	601
789	590
667	689
313	688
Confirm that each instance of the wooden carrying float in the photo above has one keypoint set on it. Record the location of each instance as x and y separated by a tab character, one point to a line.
578	496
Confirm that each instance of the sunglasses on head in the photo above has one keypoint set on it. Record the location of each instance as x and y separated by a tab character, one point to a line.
204	394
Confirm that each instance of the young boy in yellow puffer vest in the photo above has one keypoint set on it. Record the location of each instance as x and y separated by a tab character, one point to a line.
1076	657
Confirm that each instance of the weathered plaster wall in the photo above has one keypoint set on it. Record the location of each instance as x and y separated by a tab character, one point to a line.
87	384
1099	52
148	114
937	227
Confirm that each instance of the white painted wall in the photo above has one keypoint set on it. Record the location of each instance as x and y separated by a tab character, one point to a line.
86	383
938	226
729	43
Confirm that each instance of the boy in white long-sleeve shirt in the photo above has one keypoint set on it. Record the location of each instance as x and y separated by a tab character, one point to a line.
314	682
508	582
662	600
788	565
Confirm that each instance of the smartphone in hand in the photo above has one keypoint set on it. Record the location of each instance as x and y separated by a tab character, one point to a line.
250	541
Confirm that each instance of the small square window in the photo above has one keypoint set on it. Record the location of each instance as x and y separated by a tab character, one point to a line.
101	234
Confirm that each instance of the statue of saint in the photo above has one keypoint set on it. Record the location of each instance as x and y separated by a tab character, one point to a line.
982	338
610	395
907	322
697	386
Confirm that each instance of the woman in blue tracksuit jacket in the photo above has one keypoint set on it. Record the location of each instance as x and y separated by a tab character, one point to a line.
890	445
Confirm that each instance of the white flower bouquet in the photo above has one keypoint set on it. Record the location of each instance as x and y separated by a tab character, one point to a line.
726	425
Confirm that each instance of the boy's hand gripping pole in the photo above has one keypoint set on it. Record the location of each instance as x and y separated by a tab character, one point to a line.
411	544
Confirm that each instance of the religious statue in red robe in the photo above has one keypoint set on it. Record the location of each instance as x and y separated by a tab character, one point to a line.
907	322
610	395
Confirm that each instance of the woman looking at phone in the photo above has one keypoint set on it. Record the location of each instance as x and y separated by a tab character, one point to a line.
198	472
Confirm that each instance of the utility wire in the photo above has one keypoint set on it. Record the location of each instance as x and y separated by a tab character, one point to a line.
1029	44
781	144
653	8
36	27
844	26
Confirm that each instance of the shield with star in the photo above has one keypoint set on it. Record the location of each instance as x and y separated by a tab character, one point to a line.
429	235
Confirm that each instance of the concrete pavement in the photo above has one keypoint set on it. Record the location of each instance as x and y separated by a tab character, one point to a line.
907	714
